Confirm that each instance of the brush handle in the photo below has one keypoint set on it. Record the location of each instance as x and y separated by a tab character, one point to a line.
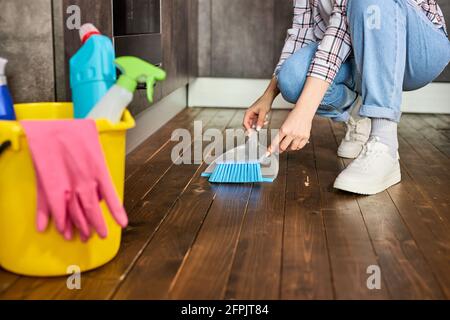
267	155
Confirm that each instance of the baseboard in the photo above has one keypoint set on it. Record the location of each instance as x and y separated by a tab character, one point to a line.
157	115
241	93
434	98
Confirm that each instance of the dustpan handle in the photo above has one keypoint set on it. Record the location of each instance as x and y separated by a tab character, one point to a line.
5	145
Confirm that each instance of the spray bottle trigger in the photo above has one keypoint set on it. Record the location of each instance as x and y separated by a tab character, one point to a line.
150	88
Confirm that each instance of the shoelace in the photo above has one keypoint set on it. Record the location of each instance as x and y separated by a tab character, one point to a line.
366	153
352	131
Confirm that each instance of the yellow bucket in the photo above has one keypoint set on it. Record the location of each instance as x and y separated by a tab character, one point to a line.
25	251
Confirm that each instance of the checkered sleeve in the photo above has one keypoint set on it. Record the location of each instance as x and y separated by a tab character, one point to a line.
433	12
335	47
301	33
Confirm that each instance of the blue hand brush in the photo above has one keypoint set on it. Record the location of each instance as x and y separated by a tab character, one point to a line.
233	172
242	171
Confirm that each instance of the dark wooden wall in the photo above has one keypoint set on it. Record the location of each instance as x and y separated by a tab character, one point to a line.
217	38
179	41
98	12
244	38
241	38
26	41
445	6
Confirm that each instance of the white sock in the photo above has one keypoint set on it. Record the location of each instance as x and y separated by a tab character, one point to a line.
386	131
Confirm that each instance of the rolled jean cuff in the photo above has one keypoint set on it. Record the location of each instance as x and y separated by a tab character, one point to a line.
343	117
336	117
371	111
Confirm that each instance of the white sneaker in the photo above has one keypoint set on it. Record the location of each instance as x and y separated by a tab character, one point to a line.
372	172
358	133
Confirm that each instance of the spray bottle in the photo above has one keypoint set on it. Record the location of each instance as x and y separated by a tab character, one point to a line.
6	102
92	70
134	71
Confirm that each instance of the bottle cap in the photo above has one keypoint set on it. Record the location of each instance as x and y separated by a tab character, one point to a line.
86	31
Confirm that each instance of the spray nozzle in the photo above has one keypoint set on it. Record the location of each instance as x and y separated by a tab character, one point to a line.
135	70
3	63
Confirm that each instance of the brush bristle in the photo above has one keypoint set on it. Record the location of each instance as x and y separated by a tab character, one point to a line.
229	172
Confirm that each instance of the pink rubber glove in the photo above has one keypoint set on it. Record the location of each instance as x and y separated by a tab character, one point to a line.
72	177
43	214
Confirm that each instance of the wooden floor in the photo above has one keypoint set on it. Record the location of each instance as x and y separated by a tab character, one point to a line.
296	238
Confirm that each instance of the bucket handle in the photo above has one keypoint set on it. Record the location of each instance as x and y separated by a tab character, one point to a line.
4	146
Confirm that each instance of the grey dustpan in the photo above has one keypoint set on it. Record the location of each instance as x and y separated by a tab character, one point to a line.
248	153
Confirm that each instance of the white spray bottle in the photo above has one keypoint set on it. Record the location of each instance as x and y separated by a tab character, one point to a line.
134	71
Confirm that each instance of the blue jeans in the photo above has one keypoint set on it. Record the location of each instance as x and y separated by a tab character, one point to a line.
404	52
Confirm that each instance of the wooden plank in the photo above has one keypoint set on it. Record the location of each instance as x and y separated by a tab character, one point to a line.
407	273
445	118
430	232
445	121
423	204
7	279
349	245
56	289
425	125
152	171
435	121
206	269
162	258
428	167
256	270
150	147
204	273
144	221
306	270
427	151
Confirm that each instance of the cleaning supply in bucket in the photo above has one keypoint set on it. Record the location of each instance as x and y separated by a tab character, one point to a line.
242	165
72	177
92	70
134	71
6	102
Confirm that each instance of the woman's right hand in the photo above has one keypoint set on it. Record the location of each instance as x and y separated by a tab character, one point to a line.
256	115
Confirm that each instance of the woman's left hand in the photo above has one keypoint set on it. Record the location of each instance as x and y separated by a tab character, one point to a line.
294	133
296	130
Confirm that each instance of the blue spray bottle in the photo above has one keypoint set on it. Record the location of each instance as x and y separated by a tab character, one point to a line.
92	70
6	102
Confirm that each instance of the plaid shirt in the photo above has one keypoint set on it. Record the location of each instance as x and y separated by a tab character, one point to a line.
335	42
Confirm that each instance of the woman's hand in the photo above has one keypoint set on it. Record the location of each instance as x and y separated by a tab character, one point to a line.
294	134
256	115
296	130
